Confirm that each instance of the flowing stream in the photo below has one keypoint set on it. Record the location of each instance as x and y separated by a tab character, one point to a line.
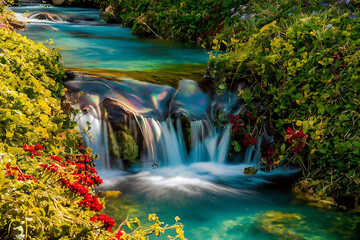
168	121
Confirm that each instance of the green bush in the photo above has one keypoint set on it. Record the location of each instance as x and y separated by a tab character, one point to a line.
181	20
304	68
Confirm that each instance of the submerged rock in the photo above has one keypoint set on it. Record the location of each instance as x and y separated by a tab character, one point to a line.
282	225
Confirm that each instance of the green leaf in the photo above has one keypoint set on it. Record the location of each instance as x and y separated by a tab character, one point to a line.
343	118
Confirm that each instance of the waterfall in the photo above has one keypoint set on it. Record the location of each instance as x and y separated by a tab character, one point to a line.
98	140
165	143
152	114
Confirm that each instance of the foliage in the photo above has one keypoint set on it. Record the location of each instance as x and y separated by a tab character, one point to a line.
303	66
46	176
182	20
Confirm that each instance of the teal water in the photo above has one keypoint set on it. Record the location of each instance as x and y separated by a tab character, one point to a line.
93	44
214	200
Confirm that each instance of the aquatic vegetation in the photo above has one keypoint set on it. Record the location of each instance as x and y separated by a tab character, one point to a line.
282	225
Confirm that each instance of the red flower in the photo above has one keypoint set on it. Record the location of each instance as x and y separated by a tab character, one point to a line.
39	147
249	140
297	138
56	158
119	234
15	171
33	149
108	221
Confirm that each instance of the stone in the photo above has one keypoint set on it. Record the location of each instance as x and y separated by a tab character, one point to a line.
17	25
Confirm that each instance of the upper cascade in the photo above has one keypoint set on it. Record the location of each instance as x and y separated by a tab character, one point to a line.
150	100
151	115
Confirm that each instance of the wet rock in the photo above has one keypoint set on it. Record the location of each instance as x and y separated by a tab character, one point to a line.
17	25
45	16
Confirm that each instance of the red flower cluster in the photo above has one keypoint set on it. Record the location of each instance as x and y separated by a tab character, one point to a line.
249	140
108	221
56	158
52	167
91	202
269	155
297	138
13	171
76	187
33	149
238	121
88	179
82	179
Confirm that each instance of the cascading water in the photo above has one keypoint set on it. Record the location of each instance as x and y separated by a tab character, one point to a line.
94	119
157	111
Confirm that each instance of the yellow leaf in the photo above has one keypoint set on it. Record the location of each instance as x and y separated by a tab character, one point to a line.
321	62
299	123
128	224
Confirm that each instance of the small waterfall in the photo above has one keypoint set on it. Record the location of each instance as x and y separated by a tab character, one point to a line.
99	131
165	143
152	113
208	143
252	153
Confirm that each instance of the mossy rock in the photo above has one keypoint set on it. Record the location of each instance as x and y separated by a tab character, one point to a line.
250	171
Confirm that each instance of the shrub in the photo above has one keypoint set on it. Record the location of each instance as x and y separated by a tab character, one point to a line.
305	70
